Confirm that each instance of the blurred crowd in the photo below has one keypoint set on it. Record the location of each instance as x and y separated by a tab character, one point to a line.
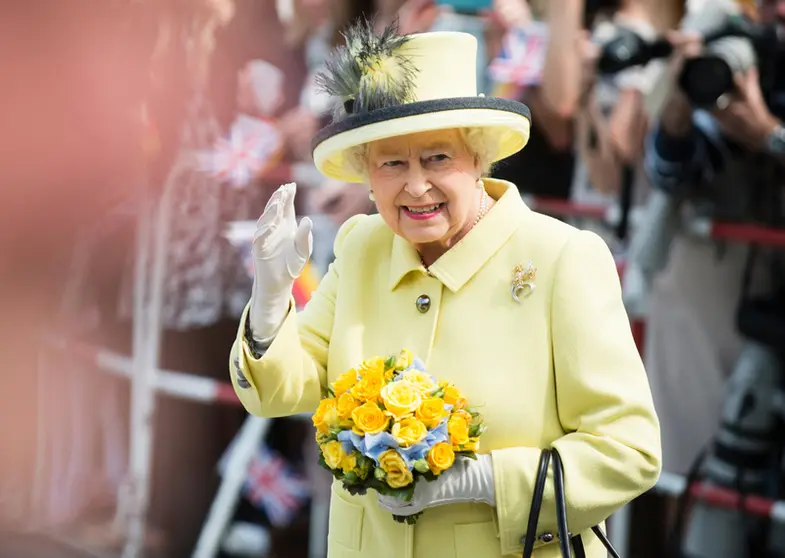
206	106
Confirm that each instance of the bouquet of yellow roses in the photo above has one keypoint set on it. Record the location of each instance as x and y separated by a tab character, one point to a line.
389	423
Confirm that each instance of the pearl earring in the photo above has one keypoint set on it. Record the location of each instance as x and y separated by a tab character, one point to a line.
371	196
480	184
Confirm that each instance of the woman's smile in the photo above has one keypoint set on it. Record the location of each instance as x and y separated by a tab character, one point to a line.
422	212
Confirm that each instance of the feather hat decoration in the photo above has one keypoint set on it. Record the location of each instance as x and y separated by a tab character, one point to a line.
390	85
368	72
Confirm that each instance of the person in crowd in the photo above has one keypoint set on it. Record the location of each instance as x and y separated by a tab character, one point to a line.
614	115
546	167
692	341
432	272
691	344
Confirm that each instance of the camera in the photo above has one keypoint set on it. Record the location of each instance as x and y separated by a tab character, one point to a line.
733	44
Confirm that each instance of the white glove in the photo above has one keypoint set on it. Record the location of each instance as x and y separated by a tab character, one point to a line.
467	481
281	249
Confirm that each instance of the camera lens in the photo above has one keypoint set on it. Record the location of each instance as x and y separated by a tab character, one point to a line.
705	79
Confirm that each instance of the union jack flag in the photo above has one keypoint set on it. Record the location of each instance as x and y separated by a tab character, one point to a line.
522	55
251	147
274	487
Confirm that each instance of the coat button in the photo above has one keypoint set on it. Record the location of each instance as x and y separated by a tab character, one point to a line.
423	303
546	537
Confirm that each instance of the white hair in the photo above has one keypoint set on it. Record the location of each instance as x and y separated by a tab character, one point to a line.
480	143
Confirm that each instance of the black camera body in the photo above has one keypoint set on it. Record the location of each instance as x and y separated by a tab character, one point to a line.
734	46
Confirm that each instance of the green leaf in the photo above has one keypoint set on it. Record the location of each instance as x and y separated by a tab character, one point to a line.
406	493
364	466
421	465
390	362
429	476
407	519
385	489
330	391
476	429
466	453
350	478
356	489
379	474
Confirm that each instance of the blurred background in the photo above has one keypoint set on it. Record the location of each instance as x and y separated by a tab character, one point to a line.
141	140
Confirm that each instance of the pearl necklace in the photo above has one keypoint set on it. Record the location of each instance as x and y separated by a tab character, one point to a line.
480	214
483	207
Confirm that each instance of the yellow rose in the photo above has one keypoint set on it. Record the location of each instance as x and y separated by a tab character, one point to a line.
325	415
369	386
408	431
349	462
373	366
333	454
458	427
345	382
440	458
431	412
404	360
401	399
398	475
346	403
421	380
454	397
369	418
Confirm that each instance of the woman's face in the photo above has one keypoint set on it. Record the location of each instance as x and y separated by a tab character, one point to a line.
425	186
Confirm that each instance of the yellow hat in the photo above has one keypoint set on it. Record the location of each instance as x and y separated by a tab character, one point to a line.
391	85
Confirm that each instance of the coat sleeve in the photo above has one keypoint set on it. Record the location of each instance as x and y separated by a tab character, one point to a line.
289	377
611	450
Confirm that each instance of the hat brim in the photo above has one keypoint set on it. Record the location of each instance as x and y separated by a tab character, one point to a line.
508	121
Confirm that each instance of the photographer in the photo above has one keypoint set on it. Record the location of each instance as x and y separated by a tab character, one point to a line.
713	157
615	116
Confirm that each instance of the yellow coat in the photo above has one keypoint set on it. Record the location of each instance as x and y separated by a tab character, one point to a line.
559	368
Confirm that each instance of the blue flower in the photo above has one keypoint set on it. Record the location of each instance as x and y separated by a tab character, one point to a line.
376	444
437	435
415	452
351	441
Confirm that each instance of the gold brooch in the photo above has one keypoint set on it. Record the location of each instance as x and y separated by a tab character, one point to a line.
522	281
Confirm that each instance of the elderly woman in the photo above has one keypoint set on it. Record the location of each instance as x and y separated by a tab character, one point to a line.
551	359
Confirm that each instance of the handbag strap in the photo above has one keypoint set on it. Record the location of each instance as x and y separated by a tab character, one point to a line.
561	510
565	540
536	505
561	516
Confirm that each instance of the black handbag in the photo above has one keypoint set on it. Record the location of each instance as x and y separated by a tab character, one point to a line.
563	533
